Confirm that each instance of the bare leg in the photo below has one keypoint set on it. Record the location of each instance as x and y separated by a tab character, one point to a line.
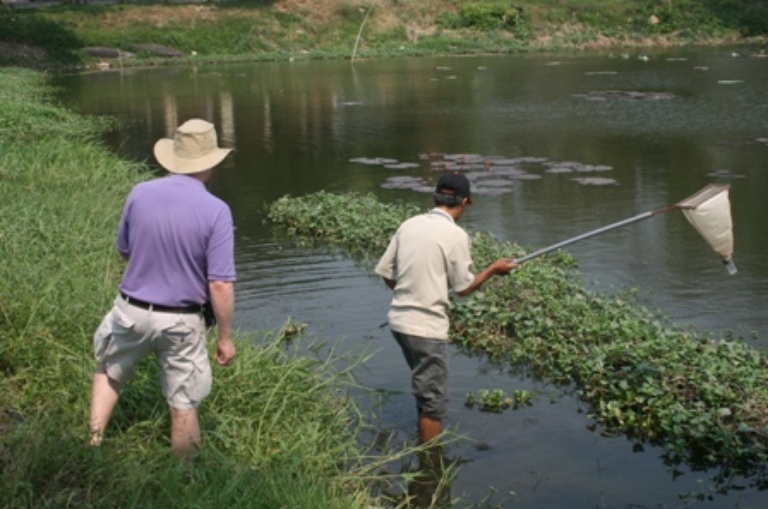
185	433
429	428
104	395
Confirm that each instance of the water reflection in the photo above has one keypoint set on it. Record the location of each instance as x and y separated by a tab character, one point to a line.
430	487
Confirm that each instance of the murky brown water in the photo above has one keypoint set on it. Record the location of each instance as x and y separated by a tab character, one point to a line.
659	130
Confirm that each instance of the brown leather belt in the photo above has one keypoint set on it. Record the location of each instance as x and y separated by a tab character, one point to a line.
197	308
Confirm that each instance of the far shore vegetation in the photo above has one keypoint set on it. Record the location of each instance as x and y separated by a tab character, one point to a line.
76	34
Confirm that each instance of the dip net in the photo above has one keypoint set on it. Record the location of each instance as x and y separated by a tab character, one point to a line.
709	211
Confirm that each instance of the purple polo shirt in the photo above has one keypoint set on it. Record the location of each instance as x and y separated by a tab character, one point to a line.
177	236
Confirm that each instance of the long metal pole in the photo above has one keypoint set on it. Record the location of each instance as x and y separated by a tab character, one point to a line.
553	247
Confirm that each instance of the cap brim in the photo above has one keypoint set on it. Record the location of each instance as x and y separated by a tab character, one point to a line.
164	154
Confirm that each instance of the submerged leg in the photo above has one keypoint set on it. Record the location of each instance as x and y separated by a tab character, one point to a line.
429	428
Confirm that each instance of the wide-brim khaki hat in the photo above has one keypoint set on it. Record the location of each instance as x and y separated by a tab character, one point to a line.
194	148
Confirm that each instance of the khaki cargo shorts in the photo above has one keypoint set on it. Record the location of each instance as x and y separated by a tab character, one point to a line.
128	333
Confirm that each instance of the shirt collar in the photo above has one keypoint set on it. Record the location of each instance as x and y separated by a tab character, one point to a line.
443	213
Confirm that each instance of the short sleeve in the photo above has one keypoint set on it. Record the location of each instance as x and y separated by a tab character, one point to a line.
123	237
459	265
221	248
386	266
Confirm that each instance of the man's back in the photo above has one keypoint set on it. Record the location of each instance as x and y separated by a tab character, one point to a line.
429	256
176	236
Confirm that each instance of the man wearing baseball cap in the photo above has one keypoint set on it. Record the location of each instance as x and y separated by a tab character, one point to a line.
428	257
178	241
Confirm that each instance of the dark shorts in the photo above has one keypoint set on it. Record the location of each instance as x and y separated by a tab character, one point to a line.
428	360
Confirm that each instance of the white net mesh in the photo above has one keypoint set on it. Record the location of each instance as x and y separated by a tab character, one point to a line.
709	211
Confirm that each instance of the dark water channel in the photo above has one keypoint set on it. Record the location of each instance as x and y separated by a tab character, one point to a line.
699	117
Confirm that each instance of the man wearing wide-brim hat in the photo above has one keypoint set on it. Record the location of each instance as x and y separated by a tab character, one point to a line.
179	243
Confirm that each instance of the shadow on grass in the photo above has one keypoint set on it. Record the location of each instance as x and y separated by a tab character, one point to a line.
29	38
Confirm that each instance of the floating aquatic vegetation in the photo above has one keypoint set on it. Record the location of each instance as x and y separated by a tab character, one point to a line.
463	166
401	166
509	171
725	174
625	95
464	158
496	401
526	176
491	182
402	182
491	175
595	181
587	168
491	191
500	161
373	161
571	166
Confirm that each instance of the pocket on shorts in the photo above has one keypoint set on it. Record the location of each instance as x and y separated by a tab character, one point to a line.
102	337
179	333
121	320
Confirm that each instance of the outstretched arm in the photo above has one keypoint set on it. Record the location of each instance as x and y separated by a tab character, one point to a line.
499	267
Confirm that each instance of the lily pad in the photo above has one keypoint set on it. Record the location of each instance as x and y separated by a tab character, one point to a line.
625	95
586	168
402	182
595	181
508	171
464	158
373	161
725	174
491	190
401	166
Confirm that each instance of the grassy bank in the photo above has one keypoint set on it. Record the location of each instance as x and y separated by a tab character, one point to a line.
279	430
291	29
703	399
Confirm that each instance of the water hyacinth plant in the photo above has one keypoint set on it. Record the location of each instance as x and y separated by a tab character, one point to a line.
704	399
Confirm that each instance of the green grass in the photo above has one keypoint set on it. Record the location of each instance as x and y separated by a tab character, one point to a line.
703	399
279	429
247	31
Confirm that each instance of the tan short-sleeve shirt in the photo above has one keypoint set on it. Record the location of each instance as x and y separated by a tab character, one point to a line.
427	257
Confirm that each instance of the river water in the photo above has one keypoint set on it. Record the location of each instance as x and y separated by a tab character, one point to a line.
655	127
